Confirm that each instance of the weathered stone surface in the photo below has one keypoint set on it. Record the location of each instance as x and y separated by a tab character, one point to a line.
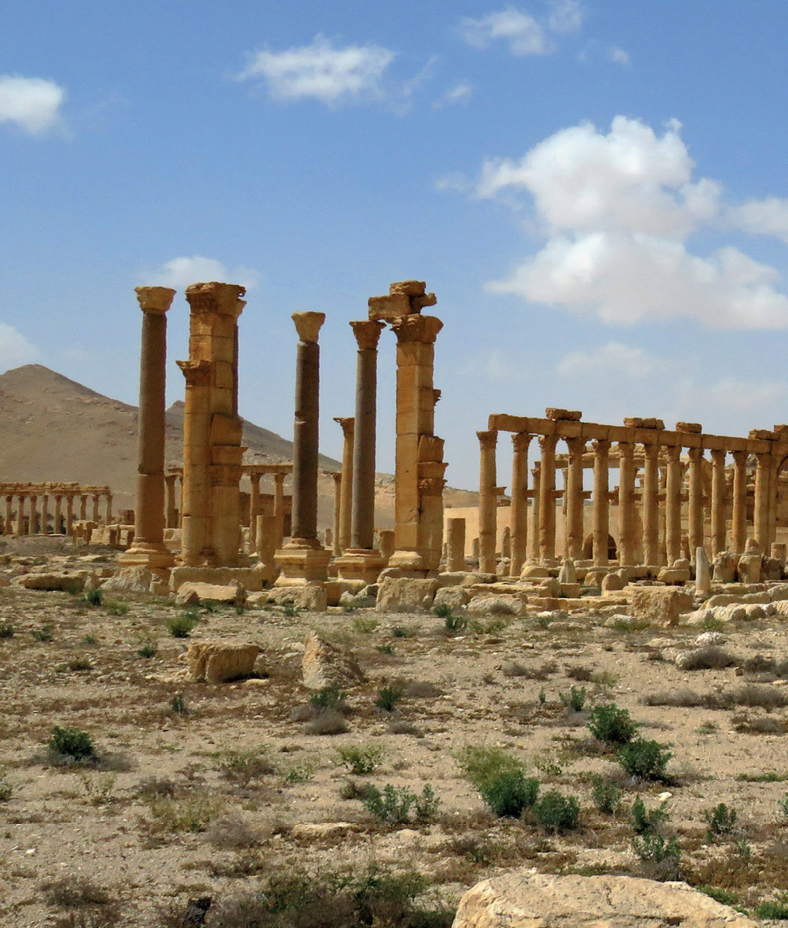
772	569
727	599
660	605
634	422
311	597
129	580
674	575
702	572
777	593
567	573
496	605
595	575
403	594
65	583
534	572
613	583
564	415
527	899
325	664
220	661
191	594
749	568
724	568
250	577
455	597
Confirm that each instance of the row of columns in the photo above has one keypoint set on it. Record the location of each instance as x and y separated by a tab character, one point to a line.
23	517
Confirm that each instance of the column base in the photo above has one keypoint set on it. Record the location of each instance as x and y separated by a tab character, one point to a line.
302	561
360	564
409	564
153	556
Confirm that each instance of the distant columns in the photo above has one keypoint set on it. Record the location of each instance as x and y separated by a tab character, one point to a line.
108	518
45	514
95	515
32	526
626	504
739	517
69	514
673	505
58	514
651	505
519	509
547	445
279	508
718	507
488	502
536	492
574	499
337	524
8	525
171	507
20	514
254	511
601	502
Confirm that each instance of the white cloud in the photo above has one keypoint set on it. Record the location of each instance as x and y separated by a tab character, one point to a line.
31	103
321	71
15	349
180	272
524	34
494	364
618	55
737	395
763	217
616	211
613	359
567	16
460	93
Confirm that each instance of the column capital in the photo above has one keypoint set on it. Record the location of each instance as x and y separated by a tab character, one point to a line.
740	457
214	297
197	373
718	455
417	328
673	453
308	326
575	445
337	475
695	455
521	441
626	449
548	442
367	333
764	458
601	446
488	440
155	300
348	424
651	452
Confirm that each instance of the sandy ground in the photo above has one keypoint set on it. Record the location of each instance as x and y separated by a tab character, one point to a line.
180	806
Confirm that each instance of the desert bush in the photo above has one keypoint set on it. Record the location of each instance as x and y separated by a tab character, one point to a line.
7	630
605	794
45	633
721	821
329	697
612	725
75	892
575	699
579	673
776	909
420	689
542	672
782	805
6	790
750	695
482	765
388	697
327	722
510	793
393	804
647	820
191	813
454	624
178	705
360	760
244	765
149	649
181	626
709	657
72	743
403	631
365	624
644	759
115	607
94	597
231	832
556	812
663	854
386	648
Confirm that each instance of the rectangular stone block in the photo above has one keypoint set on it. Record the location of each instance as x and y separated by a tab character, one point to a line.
660	605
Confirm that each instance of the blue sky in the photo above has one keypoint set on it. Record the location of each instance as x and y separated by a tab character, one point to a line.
596	192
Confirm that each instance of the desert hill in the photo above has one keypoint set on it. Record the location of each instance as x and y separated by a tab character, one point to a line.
54	428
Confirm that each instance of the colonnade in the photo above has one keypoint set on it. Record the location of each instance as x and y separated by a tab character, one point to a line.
666	481
44	508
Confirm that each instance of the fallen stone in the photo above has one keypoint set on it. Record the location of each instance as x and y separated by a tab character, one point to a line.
129	580
568	572
64	583
702	572
221	661
749	568
192	594
404	594
595	575
660	605
326	664
613	583
724	568
676	575
453	597
310	597
251	578
313	830
527	899
534	572
496	605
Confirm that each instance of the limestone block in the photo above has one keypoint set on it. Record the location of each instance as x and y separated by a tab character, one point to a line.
527	899
749	569
570	590
726	599
403	594
496	605
308	596
326	664
563	415
192	593
356	600
452	578
649	423
567	573
65	583
777	593
250	577
693	428
129	580
455	597
220	661
613	583
595	575
781	608
724	568
674	575
534	572
660	605
772	569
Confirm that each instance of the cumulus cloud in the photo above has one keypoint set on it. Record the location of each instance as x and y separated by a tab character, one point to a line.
15	349
616	212
524	34
460	93
180	272
321	71
31	103
618	55
613	357
762	217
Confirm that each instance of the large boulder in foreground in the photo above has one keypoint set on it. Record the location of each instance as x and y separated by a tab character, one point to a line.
527	899
221	661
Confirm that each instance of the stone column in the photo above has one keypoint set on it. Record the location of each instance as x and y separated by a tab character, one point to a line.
254	511
362	561
763	473
536	493
739	515
695	500
773	486
547	445
304	559
601	502
346	485
20	514
718	508
673	504
45	514
626	504
58	514
83	508
651	505
337	532
108	517
265	534
519	513
488	502
148	549
69	514
172	509
32	525
95	514
573	548
8	527
279	507
455	545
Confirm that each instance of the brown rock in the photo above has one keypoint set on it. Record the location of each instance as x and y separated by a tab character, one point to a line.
563	415
403	594
64	583
693	428
220	661
325	664
660	605
190	594
455	597
129	580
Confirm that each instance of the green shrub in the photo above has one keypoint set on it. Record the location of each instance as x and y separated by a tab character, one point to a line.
6	790
364	624
605	794
388	697
329	697
510	793
114	607
575	699
654	848
178	705
360	761
644	759
181	626
393	804
556	812
721	821
612	725
72	743
45	633
775	908
94	597
481	766
645	820
783	805
148	650
7	630
386	648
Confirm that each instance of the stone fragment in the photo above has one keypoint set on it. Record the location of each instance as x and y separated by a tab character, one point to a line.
356	600
724	568
404	594
192	594
309	596
749	568
771	569
594	576
250	577
221	661
527	899
638	423
707	638
702	572
660	605
567	573
534	572
65	583
613	583
496	605
776	593
454	597
129	580
781	608
326	664
676	575
693	428
563	415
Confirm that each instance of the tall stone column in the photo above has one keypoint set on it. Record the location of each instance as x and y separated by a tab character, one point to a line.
83	508
58	514
348	424
547	445
148	549
304	559
574	499
718	507
254	511
488	502
695	503
536	494
739	515
69	514
519	511
601	502
8	526
32	525
673	504
279	508
763	472
171	508
45	514
626	504
20	514
455	544
95	514
108	517
773	489
337	524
